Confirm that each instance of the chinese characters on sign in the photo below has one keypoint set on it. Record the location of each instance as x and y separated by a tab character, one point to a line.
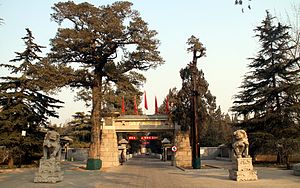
143	138
132	138
149	137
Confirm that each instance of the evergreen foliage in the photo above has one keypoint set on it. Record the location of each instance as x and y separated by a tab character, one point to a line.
106	45
214	127
269	98
79	129
24	105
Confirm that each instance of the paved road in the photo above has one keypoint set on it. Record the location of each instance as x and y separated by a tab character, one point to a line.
152	173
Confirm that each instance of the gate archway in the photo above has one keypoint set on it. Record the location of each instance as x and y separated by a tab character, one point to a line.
138	123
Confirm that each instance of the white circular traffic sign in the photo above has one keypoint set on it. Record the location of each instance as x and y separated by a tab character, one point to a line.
174	148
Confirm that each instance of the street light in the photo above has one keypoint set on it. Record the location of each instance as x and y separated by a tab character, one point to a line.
23	133
21	148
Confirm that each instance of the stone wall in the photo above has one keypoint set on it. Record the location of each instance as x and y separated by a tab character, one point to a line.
209	153
76	154
273	158
108	150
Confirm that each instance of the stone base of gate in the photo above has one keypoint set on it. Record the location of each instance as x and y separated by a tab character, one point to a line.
109	148
183	155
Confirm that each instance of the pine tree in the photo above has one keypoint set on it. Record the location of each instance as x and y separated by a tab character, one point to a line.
270	92
108	44
24	106
79	129
219	129
127	88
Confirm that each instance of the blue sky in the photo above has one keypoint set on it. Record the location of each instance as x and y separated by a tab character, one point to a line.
224	30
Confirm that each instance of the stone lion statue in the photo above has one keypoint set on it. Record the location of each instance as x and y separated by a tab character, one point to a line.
240	144
51	145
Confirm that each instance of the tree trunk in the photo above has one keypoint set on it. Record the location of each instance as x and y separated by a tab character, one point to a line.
287	162
275	86
10	162
94	151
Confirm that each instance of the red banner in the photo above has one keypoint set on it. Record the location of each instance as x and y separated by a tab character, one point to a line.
145	101
167	105
123	105
156	107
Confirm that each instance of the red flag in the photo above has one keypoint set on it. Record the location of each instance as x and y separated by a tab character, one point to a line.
145	101
123	105
156	107
167	105
135	106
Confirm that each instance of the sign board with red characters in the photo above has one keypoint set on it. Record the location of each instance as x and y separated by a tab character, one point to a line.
149	137
143	138
132	138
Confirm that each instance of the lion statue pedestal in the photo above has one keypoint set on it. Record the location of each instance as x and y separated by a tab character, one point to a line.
49	169
242	168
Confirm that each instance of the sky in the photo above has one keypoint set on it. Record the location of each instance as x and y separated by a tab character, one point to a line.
224	30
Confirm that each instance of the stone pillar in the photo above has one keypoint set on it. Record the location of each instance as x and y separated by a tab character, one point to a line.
242	170
183	155
109	148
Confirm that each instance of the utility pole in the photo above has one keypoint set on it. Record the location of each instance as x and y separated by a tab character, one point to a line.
196	161
196	47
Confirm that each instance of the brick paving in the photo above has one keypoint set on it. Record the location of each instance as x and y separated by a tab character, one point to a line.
151	173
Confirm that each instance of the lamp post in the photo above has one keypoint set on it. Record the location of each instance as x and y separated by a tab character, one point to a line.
23	134
123	144
165	142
